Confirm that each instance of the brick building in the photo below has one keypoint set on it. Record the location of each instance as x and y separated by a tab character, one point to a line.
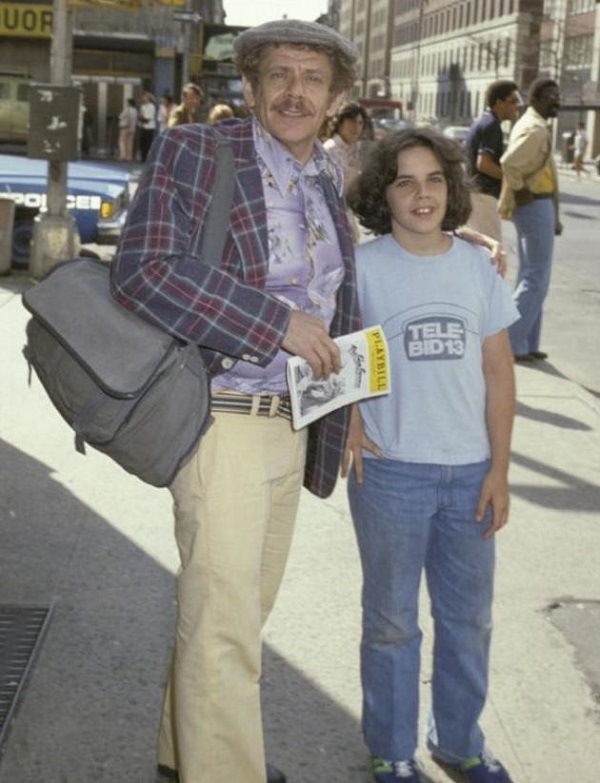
439	56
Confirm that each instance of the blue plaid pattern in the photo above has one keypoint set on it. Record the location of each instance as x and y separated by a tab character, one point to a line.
225	310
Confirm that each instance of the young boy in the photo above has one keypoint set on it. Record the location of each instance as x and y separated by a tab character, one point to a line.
429	487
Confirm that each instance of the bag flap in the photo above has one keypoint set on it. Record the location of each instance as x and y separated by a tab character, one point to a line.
118	348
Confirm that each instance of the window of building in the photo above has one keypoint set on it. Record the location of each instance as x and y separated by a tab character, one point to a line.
579	50
582	6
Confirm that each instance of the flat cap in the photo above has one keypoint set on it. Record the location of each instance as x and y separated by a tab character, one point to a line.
294	31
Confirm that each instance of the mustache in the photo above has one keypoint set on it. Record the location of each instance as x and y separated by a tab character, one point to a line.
293	103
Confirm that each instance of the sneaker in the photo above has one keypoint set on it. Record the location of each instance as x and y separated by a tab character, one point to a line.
392	771
479	769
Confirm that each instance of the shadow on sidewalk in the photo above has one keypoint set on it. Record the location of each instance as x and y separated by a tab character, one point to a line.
568	492
551	417
90	709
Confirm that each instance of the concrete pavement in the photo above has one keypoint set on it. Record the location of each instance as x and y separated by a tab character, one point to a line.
80	535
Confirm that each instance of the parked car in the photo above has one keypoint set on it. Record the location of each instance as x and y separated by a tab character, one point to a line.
14	106
457	132
385	125
98	194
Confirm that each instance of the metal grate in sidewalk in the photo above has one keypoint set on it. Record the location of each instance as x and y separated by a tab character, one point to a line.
21	632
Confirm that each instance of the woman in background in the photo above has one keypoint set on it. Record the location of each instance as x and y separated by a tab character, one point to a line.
345	132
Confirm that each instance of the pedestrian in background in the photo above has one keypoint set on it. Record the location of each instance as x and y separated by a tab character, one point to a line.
285	286
220	111
429	486
345	132
165	108
127	127
580	145
484	148
529	197
147	124
192	99
343	143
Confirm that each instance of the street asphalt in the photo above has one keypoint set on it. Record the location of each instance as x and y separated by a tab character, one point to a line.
95	545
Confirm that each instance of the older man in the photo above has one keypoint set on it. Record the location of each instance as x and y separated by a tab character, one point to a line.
530	197
285	286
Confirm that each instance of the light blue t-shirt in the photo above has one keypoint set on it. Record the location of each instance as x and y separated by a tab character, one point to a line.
436	312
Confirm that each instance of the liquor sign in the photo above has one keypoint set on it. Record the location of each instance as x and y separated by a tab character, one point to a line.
25	20
124	5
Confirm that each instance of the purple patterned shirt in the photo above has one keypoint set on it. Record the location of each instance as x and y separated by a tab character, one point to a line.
305	262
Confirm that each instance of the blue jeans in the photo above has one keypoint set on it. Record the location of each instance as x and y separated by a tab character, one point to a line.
535	225
409	517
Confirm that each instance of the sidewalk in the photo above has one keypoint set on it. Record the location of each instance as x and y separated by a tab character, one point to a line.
81	536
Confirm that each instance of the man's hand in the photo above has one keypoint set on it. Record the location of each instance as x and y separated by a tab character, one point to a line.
306	336
497	253
558	228
524	197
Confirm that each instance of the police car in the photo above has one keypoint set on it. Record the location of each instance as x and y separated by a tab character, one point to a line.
97	193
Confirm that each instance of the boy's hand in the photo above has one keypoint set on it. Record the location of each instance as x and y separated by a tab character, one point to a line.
355	443
494	493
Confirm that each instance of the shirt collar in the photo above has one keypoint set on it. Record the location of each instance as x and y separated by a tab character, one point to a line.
537	116
284	168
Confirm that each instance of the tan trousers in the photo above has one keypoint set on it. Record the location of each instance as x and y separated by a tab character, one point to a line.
235	505
126	144
485	216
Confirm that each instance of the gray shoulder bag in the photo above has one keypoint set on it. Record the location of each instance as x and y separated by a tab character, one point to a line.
126	387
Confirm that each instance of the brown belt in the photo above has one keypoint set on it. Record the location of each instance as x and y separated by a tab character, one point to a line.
252	404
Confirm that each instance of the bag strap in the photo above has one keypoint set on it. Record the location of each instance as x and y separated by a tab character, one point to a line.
215	226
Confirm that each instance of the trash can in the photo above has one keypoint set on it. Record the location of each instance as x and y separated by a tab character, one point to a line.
7	218
568	149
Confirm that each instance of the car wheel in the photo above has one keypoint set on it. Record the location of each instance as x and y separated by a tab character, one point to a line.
85	252
21	242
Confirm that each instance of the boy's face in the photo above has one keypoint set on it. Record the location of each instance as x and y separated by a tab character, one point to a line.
293	96
418	197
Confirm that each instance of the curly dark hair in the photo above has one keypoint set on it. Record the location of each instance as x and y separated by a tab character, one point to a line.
367	194
538	87
499	91
348	111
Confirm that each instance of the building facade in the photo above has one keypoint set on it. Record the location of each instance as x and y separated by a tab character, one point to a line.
118	51
439	56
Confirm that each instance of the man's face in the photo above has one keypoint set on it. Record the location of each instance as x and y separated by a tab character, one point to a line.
293	96
508	108
548	102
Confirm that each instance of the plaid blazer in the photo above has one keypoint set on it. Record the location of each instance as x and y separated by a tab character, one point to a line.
224	309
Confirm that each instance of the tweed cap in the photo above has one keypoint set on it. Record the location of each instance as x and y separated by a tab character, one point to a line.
294	31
